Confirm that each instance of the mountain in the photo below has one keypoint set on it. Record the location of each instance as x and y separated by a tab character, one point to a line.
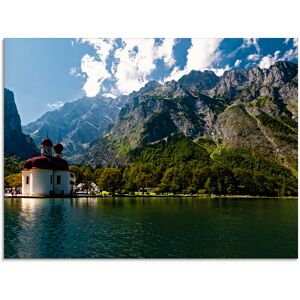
253	109
280	82
76	124
16	143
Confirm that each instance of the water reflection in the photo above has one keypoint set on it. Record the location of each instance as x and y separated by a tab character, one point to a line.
150	227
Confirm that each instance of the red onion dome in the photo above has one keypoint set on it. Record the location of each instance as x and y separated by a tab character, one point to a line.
28	164
38	162
41	162
58	148
46	142
44	162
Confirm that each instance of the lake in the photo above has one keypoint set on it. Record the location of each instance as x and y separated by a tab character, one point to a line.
175	227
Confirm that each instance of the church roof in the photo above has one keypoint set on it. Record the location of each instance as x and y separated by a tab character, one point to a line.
58	148
46	142
46	162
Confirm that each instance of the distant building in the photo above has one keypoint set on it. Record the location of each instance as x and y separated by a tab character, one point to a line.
92	187
47	174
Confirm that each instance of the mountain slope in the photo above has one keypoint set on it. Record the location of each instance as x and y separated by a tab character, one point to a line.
16	143
253	109
77	123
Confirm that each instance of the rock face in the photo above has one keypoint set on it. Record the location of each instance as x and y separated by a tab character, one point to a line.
255	109
77	123
15	141
245	85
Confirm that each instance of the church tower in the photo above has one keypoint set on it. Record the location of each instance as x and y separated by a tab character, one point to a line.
46	146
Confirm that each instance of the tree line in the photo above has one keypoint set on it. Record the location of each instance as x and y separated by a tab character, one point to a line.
183	166
192	177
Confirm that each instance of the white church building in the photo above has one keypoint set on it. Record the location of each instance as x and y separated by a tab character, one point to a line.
47	174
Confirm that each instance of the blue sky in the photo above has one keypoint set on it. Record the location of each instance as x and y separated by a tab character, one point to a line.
45	73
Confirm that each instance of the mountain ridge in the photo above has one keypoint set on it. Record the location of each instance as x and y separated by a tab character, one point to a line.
232	110
77	123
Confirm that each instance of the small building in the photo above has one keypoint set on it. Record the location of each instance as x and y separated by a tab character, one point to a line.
82	187
46	174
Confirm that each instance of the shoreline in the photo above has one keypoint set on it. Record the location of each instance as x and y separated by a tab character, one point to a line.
148	196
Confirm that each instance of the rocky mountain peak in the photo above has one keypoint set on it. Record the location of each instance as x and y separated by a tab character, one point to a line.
15	141
199	81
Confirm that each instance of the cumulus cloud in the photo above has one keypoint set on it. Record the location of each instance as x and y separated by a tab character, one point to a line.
95	67
54	106
253	57
237	63
103	47
165	52
201	55
135	61
96	73
269	60
132	63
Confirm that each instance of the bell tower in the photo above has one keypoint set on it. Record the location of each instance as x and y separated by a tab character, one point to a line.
46	146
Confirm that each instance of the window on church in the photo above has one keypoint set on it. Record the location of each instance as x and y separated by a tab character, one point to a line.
58	179
27	179
51	179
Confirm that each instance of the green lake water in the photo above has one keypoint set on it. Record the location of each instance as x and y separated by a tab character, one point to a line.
177	227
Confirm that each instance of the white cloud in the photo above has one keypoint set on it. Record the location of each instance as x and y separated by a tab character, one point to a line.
109	95
175	74
103	47
247	43
201	55
132	63
135	61
74	72
54	106
95	68
96	73
269	60
165	52
295	43
237	63
290	54
220	71
253	57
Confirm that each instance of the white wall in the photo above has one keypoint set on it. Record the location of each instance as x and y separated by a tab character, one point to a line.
64	182
40	182
25	187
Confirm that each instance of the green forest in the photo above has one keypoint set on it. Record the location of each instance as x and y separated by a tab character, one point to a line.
181	166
